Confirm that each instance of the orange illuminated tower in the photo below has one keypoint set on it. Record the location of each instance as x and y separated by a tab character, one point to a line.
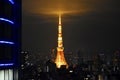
60	59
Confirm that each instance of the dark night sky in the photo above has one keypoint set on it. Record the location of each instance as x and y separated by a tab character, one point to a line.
89	25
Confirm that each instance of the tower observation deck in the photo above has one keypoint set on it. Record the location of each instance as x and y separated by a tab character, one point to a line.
60	59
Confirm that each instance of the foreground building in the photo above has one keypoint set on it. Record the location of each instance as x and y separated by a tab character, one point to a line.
10	23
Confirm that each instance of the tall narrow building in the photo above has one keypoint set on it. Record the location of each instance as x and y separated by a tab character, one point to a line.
60	59
10	39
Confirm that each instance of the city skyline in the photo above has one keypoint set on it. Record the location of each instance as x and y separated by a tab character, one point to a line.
92	30
59	40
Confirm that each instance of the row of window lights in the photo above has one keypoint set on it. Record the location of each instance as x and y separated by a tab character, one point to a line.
8	64
6	42
11	1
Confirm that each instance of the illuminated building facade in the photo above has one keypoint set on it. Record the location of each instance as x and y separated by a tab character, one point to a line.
60	59
10	23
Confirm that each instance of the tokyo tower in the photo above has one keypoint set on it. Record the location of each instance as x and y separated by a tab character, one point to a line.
60	59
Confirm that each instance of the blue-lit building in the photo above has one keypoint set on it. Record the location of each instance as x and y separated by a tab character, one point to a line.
10	39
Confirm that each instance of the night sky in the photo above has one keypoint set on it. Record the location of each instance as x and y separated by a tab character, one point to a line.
88	25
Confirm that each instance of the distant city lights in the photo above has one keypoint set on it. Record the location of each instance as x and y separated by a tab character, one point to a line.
11	1
7	20
71	71
6	42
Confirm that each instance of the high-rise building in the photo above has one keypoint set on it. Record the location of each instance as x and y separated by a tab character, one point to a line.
116	61
10	23
60	59
52	55
24	59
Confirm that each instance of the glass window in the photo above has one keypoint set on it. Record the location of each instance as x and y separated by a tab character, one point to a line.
6	74
6	31
6	52
6	10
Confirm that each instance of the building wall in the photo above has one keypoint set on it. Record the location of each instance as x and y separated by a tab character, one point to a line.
10	38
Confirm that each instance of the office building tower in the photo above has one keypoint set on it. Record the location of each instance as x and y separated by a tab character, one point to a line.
10	28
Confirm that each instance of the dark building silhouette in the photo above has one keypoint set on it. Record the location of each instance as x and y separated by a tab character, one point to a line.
10	28
26	66
24	59
116	62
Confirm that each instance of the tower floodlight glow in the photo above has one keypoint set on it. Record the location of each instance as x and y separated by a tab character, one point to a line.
60	59
7	20
6	42
11	1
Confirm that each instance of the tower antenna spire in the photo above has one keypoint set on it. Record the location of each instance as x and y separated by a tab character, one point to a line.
60	59
59	18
